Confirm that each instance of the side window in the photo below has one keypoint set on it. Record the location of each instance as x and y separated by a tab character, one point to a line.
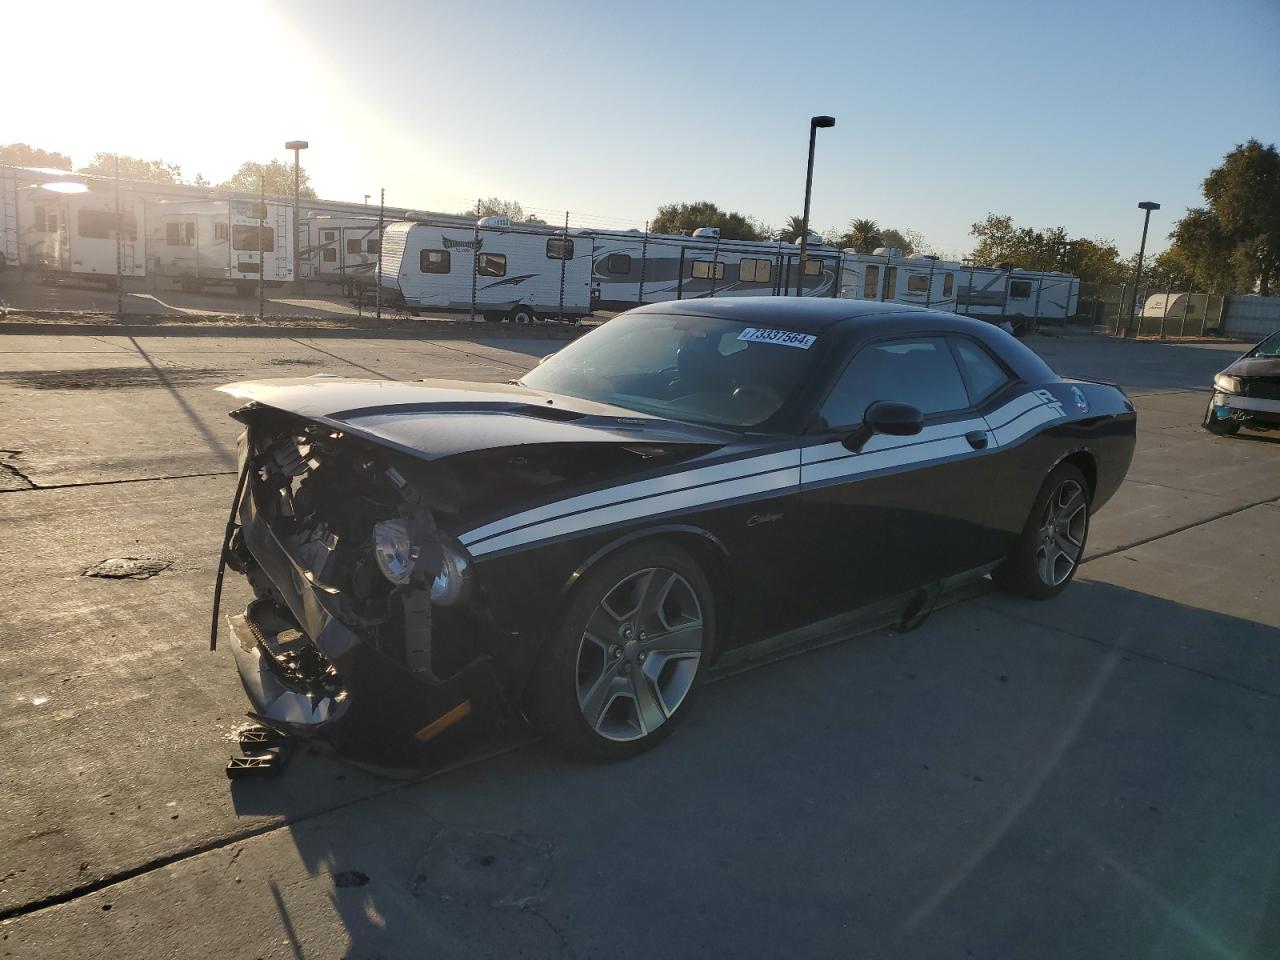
559	248
948	284
373	246
492	265
220	232
618	263
245	237
890	282
702	269
813	268
171	230
330	255
871	282
919	371
1020	290
329	234
985	375
754	271
434	261
917	283
353	246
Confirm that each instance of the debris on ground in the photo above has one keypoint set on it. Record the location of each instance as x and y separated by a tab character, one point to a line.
128	568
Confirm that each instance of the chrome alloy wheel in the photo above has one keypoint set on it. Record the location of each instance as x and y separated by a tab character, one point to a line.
639	654
1062	531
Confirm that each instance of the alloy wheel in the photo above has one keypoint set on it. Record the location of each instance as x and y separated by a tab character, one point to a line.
1063	528
639	654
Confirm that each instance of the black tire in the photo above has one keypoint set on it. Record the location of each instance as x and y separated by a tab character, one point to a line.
1032	569
576	670
522	314
1222	428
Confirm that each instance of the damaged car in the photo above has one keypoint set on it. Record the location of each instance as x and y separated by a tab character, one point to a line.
686	488
1247	393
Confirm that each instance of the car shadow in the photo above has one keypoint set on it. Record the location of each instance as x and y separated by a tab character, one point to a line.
1090	776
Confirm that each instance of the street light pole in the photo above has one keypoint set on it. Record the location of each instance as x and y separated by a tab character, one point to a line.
297	146
1147	206
814	124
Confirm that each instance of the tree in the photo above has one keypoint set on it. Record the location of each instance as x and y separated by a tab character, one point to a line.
1244	199
908	241
863	235
686	217
792	228
132	168
22	155
279	177
1000	241
495	207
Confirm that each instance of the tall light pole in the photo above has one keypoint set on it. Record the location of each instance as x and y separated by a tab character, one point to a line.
1147	206
297	146
814	124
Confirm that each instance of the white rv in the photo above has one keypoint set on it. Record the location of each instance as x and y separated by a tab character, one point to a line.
74	234
630	267
8	218
1013	294
338	249
498	269
198	241
918	279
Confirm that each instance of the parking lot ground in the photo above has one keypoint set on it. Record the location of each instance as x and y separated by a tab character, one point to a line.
1095	776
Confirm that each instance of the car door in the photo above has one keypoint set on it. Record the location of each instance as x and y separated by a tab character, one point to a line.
902	512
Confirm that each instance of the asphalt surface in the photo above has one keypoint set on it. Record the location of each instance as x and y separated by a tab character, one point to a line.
1095	776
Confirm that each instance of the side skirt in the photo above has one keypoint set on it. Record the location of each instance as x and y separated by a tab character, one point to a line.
875	616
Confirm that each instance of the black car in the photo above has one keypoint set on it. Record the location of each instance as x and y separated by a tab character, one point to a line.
1247	393
690	485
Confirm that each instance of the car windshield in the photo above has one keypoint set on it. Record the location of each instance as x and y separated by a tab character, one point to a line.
1269	347
700	369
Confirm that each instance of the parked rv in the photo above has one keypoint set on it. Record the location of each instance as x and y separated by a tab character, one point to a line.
885	274
1017	296
338	249
201	241
74	234
499	270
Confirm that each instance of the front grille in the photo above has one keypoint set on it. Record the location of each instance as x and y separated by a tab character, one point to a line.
1262	389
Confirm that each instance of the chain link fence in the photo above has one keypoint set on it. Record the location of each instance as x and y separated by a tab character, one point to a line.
1155	312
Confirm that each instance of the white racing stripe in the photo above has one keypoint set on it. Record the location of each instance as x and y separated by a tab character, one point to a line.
759	475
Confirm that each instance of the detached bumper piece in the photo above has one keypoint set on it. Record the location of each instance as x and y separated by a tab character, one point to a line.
266	752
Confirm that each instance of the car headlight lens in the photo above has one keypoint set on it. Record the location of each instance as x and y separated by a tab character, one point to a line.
451	581
1227	384
394	550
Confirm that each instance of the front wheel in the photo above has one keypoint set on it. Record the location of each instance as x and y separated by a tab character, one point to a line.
1046	556
522	314
1222	426
624	662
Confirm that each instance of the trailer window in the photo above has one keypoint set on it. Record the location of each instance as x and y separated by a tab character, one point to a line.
353	246
46	222
220	232
180	234
434	261
751	270
890	282
246	237
329	255
491	265
373	246
813	268
1020	290
948	284
559	248
871	282
618	263
917	283
330	234
702	269
98	224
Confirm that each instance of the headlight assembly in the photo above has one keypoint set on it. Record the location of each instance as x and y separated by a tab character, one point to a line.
1227	384
455	572
394	550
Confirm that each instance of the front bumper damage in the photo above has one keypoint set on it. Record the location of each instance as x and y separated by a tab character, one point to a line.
1258	410
308	674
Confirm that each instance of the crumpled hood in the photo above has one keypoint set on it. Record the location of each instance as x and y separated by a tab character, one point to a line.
431	419
1255	367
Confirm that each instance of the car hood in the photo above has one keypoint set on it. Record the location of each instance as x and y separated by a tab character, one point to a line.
1255	367
432	419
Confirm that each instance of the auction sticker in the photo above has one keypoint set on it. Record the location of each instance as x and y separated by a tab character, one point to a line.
786	338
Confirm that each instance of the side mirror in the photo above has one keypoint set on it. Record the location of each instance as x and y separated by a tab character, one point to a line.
888	417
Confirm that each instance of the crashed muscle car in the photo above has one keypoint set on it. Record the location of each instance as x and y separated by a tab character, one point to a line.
690	485
1247	393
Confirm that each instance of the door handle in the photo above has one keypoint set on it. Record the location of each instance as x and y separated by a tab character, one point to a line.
977	439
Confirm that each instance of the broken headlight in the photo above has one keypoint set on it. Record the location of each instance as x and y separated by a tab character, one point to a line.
394	550
1227	384
455	572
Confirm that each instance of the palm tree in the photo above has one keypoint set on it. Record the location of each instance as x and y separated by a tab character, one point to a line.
792	229
864	235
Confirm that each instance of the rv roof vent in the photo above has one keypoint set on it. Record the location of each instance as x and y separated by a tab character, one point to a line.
886	252
495	221
712	232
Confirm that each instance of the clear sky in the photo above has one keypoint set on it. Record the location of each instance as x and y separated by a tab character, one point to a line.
1055	113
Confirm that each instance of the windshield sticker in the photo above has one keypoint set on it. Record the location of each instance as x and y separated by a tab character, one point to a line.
787	338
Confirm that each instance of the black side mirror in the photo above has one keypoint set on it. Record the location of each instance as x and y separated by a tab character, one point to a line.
888	417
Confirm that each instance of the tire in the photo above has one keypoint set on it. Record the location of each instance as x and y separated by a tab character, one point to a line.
606	688
1222	428
522	314
1044	560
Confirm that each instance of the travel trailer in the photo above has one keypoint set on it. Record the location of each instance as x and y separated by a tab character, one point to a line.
73	234
500	271
338	249
197	242
886	274
1010	293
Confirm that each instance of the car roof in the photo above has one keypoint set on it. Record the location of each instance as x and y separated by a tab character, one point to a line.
809	314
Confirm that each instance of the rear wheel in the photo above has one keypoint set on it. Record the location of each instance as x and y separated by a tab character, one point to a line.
1223	427
625	660
522	314
1045	558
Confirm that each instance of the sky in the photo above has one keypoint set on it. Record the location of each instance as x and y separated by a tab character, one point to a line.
1057	114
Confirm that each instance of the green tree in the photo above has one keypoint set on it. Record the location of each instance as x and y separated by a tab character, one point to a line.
1244	198
1206	253
279	177
864	235
676	217
133	168
792	228
1001	241
22	155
